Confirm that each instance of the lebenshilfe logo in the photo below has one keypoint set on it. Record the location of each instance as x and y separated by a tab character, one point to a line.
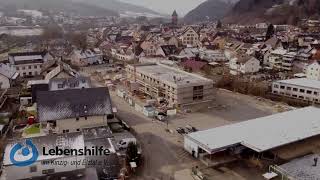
29	152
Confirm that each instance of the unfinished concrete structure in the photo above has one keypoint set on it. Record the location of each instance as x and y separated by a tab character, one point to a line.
176	86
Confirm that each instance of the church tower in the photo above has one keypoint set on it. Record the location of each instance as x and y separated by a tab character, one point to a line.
174	19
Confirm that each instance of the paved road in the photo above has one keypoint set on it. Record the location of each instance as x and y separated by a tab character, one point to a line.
162	155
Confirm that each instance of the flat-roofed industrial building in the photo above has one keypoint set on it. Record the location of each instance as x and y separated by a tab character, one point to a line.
284	136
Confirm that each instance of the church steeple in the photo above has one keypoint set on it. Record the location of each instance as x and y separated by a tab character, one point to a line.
174	18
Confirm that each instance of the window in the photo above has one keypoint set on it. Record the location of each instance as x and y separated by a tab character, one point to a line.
85	118
295	89
78	130
48	171
289	88
309	92
276	86
302	90
282	87
33	169
315	93
77	119
301	97
23	68
30	73
35	66
65	131
29	67
60	86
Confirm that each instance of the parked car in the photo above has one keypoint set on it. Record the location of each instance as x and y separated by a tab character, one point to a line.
181	130
123	144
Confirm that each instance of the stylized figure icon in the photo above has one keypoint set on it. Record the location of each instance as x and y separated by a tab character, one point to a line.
25	151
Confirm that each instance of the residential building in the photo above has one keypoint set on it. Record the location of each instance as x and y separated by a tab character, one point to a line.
123	54
71	110
42	167
177	87
304	55
7	76
244	65
212	55
288	60
57	69
313	71
167	50
276	58
304	89
86	57
69	83
149	48
190	37
170	40
29	63
63	166
189	53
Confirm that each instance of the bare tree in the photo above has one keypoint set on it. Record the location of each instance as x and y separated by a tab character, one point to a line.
78	39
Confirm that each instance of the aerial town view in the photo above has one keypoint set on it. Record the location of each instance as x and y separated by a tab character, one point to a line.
160	90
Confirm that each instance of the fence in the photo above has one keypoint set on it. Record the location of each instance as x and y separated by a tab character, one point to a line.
281	172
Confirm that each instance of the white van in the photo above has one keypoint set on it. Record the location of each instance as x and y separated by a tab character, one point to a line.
123	144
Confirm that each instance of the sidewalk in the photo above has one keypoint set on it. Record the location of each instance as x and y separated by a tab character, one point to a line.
183	175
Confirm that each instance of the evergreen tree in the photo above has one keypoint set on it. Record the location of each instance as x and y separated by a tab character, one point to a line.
270	32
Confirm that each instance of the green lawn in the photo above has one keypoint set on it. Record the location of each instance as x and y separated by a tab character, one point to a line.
34	129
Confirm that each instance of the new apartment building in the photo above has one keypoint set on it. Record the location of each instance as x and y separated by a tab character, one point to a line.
176	86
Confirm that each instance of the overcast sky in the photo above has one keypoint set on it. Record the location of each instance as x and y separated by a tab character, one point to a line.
167	6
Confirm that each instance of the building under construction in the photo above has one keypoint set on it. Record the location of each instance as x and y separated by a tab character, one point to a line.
176	86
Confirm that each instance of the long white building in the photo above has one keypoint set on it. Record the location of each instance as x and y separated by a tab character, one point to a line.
258	135
301	88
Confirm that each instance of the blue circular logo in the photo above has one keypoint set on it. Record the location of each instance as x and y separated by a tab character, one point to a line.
25	151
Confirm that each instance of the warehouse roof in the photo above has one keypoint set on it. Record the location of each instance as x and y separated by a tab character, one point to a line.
264	133
305	82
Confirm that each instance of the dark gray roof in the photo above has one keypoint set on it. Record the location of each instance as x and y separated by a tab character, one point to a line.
7	71
169	49
72	103
27	57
